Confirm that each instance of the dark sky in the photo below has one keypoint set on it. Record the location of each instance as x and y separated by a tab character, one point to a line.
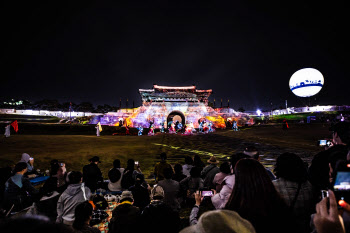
245	51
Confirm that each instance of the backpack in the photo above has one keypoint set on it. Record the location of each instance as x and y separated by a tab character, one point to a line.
114	175
127	179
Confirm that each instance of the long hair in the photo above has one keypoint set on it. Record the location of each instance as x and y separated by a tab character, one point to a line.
83	211
254	196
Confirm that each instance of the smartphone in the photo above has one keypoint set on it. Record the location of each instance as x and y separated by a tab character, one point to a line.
136	162
341	185
61	164
324	142
207	193
31	158
324	193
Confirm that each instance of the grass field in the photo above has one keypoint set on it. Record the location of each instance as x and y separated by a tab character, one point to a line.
75	150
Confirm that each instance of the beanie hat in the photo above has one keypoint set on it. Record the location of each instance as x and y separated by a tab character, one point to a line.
126	195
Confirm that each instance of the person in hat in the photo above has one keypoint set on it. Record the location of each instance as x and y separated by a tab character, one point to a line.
208	173
215	220
92	174
126	216
159	217
220	221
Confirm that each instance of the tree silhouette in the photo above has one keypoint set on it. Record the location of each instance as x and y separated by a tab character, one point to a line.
241	109
85	107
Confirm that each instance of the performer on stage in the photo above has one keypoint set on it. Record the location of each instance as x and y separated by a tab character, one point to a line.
176	126
200	128
172	128
235	126
179	127
97	127
151	131
140	130
162	129
205	127
127	132
7	131
210	129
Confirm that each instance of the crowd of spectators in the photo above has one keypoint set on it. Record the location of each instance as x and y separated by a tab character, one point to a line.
244	196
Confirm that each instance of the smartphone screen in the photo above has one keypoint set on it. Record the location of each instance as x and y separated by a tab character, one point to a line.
136	162
323	142
207	193
342	181
342	186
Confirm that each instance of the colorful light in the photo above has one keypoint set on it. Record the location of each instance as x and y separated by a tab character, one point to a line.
342	203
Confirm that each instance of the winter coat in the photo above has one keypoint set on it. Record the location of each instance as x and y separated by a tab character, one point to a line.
16	192
70	198
25	158
218	180
220	199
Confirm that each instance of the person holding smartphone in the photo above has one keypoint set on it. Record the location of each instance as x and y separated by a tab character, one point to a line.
26	158
327	218
319	169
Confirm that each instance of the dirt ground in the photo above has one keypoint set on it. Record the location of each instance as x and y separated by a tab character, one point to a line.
75	150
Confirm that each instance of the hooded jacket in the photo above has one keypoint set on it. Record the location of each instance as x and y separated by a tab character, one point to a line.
25	158
70	198
220	199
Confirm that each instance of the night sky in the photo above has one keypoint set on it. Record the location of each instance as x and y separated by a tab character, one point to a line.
245	51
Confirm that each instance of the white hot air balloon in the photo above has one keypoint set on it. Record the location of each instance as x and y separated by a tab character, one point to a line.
306	82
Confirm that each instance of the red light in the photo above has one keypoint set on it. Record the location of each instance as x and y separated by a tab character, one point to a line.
348	165
342	203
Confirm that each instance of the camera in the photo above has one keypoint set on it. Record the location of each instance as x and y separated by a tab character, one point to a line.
341	185
324	142
208	193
